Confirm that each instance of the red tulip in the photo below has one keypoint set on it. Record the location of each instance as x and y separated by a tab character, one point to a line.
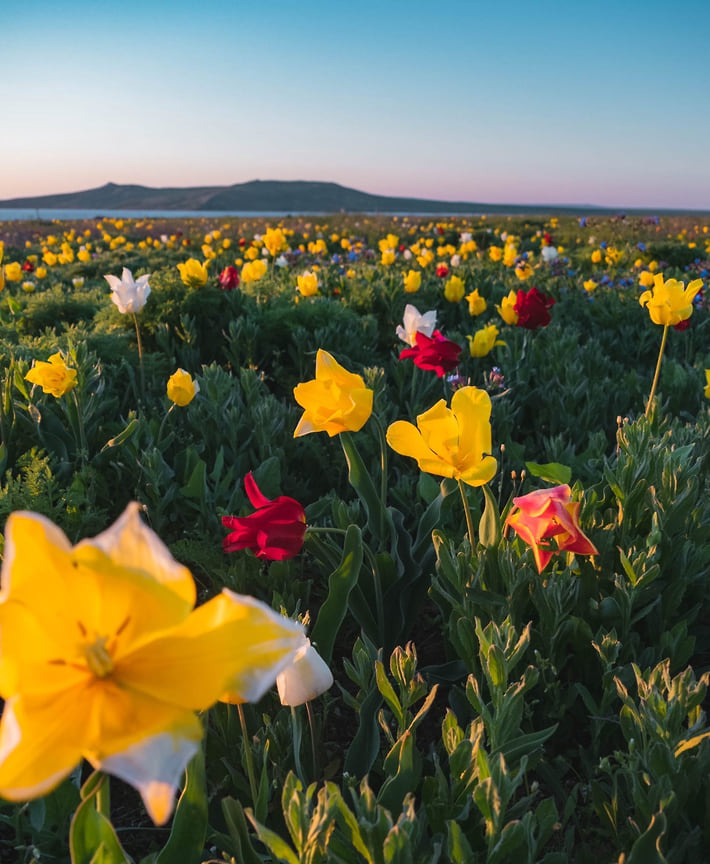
547	520
532	308
275	531
28	267
229	278
436	354
442	271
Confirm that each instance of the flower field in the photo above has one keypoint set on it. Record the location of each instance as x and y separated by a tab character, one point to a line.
419	564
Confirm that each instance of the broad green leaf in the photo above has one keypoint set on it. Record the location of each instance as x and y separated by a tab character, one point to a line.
551	472
186	842
489	526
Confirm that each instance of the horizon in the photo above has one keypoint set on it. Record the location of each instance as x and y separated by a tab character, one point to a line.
516	110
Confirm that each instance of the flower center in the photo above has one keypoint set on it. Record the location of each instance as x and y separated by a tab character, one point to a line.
98	658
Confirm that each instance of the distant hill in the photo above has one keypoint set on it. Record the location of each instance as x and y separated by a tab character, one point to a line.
288	196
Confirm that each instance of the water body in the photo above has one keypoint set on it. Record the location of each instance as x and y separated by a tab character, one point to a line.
17	214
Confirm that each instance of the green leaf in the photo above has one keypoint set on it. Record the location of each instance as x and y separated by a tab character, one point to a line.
92	838
186	842
457	846
122	436
276	844
647	849
489	526
551	472
361	481
340	583
238	831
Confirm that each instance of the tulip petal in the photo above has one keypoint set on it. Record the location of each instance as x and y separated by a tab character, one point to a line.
404	438
154	767
40	743
254	494
232	643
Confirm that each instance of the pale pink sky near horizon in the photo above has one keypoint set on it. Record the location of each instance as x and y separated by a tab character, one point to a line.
600	105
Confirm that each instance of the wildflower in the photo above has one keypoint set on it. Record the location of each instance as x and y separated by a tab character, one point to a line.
252	271
181	388
127	294
549	254
103	657
307	284
589	285
476	303
412	281
483	341
523	270
435	354
53	377
670	301
454	289
414	322
274	241
450	442
274	532
547	520
193	273
305	678
506	310
532	309
228	278
335	401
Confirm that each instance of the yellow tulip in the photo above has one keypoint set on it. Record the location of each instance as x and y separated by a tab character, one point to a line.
53	377
41	272
335	401
646	279
388	257
412	281
307	284
596	256
495	253
476	303
13	271
103	657
589	285
274	241
670	302
454	289
182	389
483	341
450	442
193	273
252	271
506	309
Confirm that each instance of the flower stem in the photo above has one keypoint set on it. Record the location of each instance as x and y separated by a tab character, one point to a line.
248	755
658	371
140	353
383	469
296	734
103	797
83	446
314	751
467	511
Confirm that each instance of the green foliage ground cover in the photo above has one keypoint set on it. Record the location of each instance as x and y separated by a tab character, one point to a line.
485	712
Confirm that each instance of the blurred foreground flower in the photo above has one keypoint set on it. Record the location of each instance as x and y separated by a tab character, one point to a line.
274	532
193	273
415	322
53	377
532	308
305	678
450	442
547	520
127	294
335	401
435	354
670	302
103	657
182	388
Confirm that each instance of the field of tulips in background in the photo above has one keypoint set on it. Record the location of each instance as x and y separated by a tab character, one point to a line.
461	467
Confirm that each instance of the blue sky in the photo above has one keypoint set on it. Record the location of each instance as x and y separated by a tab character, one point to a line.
519	102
